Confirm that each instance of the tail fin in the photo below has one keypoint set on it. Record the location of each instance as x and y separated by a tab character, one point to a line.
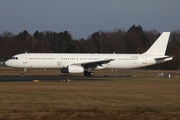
160	45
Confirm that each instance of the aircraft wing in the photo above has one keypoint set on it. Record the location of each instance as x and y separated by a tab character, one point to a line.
93	64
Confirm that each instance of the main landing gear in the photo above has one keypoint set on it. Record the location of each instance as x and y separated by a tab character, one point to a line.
86	73
24	72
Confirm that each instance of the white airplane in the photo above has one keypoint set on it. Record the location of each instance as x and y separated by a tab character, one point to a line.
79	63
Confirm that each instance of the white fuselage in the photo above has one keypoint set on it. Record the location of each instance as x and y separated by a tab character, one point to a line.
56	60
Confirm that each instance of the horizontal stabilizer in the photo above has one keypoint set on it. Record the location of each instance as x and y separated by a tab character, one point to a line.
161	58
2	63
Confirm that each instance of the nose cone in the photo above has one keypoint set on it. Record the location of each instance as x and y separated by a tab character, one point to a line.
8	63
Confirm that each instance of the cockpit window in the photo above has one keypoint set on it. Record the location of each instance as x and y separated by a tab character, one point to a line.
15	58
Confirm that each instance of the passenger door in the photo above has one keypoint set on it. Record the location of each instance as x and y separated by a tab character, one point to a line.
25	61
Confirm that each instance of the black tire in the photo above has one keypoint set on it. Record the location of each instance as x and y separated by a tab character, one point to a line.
86	73
24	74
91	73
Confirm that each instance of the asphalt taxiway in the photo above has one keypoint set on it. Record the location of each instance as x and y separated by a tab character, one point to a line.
29	78
61	78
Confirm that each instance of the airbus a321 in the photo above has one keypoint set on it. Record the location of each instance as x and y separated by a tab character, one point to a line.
85	63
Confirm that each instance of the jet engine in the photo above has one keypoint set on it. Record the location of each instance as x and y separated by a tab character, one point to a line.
73	69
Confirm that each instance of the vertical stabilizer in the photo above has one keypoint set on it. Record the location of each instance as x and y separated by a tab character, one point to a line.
160	45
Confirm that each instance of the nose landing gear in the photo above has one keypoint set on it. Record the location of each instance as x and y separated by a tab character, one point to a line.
24	72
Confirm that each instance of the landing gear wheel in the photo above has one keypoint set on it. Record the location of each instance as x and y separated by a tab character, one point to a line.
24	74
86	73
91	74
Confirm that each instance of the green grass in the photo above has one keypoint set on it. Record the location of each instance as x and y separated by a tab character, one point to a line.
114	98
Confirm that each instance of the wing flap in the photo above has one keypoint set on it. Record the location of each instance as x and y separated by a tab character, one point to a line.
93	64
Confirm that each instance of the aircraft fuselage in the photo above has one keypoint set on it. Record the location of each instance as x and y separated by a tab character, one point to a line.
55	60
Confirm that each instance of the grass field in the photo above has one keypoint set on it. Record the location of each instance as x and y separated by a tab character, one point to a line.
110	98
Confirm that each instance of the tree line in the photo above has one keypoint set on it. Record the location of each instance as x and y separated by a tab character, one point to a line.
135	40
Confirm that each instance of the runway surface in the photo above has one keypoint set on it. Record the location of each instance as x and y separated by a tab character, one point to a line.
51	78
62	78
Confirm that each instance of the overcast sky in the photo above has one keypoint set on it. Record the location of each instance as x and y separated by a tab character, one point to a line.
83	17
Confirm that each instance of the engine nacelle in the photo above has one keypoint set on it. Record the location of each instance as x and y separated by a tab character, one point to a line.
73	69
